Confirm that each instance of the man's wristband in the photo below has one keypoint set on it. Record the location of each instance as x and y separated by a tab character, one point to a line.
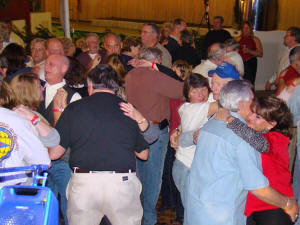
153	64
58	110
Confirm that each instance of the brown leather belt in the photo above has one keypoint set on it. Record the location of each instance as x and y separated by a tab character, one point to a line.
78	170
155	122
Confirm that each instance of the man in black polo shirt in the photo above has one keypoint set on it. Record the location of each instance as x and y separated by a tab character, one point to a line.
104	143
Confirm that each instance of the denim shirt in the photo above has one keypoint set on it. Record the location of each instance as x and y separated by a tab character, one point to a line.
294	105
224	168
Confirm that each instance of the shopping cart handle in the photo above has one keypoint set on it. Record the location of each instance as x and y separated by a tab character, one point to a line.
37	168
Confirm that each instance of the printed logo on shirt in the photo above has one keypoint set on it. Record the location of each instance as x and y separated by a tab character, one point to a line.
8	141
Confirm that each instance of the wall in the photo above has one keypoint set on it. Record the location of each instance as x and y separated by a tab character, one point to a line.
166	10
288	14
154	10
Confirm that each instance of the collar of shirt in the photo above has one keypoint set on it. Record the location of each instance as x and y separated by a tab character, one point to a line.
238	116
51	91
175	38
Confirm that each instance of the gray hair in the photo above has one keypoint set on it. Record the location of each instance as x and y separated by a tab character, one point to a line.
112	35
294	54
216	54
154	27
91	35
150	54
232	43
38	40
234	92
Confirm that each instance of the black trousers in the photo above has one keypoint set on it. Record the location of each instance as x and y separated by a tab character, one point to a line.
169	193
250	68
269	217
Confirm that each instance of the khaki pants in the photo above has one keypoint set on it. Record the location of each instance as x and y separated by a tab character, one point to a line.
93	195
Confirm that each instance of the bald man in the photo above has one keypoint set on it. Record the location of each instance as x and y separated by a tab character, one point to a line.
54	47
112	44
55	69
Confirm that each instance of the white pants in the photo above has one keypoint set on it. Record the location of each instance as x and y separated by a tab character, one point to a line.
93	195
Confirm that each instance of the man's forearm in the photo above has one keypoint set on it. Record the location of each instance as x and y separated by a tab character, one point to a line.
271	196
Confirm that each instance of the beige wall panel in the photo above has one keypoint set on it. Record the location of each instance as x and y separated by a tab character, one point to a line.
155	10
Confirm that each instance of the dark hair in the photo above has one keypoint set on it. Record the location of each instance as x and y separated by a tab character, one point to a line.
220	18
177	21
130	41
3	61
274	109
103	76
154	27
186	38
295	32
76	72
15	55
194	80
294	54
232	43
250	25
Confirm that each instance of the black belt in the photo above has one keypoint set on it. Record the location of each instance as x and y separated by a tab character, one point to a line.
78	170
162	124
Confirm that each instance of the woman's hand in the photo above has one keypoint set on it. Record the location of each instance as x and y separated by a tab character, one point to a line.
174	138
134	114
131	112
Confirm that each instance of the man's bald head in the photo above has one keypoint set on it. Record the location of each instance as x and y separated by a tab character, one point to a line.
56	68
112	44
54	47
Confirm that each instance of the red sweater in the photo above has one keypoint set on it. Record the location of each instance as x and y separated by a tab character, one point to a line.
174	118
275	165
290	75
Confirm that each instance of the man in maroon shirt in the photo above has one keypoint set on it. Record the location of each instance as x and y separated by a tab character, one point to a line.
150	91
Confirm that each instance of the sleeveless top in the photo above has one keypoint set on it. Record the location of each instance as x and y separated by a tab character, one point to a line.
248	42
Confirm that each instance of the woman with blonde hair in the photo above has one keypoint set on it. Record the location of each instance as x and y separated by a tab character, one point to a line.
115	62
19	145
28	94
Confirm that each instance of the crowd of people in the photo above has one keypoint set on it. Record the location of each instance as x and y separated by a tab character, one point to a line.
144	117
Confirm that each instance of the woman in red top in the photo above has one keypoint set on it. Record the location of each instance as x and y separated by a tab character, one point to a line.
272	116
250	49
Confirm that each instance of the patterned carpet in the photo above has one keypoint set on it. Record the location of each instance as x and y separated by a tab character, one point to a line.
165	217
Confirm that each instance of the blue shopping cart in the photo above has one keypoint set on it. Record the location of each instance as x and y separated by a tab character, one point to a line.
28	205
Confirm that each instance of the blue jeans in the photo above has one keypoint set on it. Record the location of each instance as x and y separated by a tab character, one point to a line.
180	173
296	179
150	174
59	176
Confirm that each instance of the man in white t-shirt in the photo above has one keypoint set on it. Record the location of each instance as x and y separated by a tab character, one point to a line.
216	54
291	40
233	56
